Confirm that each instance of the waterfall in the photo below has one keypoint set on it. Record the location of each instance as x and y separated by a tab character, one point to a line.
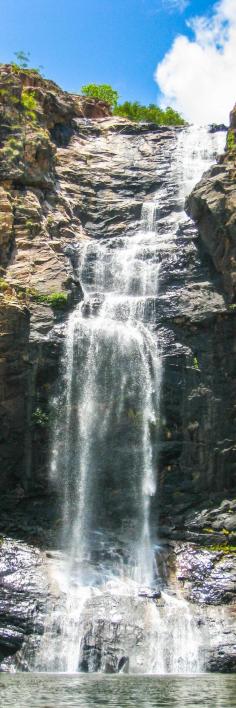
104	454
105	450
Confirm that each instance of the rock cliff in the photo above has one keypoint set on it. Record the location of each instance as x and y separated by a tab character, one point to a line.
212	205
68	172
39	224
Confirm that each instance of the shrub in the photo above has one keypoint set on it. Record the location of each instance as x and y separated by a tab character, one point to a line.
3	285
230	140
22	63
40	418
55	300
29	104
58	300
103	92
22	59
150	114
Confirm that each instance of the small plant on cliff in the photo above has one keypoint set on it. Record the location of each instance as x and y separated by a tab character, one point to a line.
57	301
230	140
29	104
22	63
40	418
103	92
22	59
196	363
3	285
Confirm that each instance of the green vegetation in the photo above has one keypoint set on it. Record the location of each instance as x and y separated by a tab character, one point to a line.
150	114
19	112
22	59
133	111
40	418
3	285
196	363
57	301
230	140
29	104
221	548
103	92
26	105
22	63
208	530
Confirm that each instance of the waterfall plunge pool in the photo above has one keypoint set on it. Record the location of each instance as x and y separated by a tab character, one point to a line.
99	691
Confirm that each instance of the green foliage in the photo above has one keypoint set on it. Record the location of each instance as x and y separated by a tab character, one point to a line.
230	140
26	104
208	529
220	547
103	92
22	63
12	149
56	300
3	285
22	59
40	418
196	363
29	104
151	114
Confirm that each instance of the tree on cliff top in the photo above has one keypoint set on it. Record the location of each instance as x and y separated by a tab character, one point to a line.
22	59
150	114
133	111
22	63
102	92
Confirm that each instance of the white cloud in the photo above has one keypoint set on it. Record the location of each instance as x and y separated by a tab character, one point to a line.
198	76
176	5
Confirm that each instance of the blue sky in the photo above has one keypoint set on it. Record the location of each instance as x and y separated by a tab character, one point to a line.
82	41
120	42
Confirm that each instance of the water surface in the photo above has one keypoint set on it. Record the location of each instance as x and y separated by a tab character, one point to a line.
99	691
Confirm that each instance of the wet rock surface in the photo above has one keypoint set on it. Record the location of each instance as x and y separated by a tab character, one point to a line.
23	594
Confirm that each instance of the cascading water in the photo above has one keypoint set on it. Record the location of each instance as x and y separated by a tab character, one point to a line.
105	451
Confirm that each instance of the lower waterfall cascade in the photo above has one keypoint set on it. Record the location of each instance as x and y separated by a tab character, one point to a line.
115	612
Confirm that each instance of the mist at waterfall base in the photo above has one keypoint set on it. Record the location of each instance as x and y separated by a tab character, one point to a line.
105	453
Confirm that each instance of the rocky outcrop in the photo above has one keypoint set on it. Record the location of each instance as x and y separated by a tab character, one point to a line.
23	595
212	205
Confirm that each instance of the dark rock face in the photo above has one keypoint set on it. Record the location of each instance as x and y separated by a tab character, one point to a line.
75	179
23	597
37	224
212	205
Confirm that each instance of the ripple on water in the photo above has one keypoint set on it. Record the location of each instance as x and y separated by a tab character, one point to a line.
99	691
